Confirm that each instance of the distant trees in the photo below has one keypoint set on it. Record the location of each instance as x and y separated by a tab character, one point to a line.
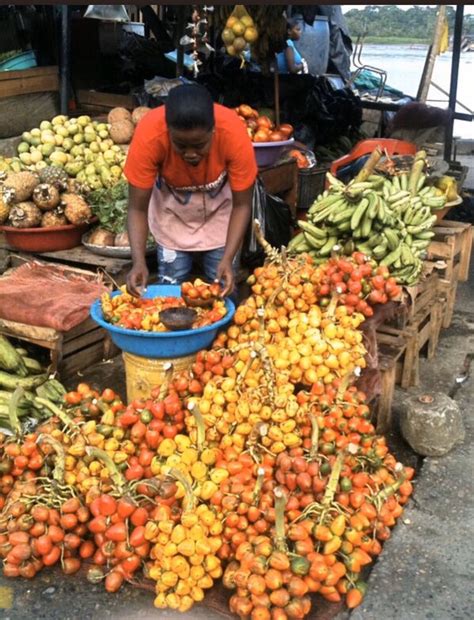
417	22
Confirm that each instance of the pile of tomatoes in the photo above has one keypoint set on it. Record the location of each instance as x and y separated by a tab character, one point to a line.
262	128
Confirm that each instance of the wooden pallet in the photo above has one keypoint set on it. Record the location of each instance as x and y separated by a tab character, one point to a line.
423	331
451	247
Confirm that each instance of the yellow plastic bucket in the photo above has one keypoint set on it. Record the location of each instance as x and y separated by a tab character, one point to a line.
143	374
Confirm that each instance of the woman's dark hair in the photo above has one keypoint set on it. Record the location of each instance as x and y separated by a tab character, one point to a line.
189	106
291	22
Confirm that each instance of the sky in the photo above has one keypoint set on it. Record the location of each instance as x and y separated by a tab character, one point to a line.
468	8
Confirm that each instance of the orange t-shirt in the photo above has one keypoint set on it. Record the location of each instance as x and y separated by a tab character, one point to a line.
151	154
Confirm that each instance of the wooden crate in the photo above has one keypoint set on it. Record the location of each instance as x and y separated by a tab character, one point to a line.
416	298
389	357
452	247
423	331
452	244
26	81
69	351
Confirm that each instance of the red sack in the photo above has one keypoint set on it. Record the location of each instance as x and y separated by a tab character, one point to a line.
48	296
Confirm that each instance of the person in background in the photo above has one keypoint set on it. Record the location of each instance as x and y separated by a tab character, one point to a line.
191	170
290	60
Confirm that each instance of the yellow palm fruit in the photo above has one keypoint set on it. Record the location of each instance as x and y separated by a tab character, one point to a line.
173	601
182	588
197	594
209	456
187	548
291	440
166	526
277	447
178	534
170	549
169	578
208	489
189	456
197	572
160	601
120	457
186	603
182	442
155	573
167	447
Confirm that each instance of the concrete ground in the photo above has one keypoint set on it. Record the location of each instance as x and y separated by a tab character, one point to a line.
424	573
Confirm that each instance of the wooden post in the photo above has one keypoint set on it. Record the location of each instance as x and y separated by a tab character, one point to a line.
453	87
276	81
431	58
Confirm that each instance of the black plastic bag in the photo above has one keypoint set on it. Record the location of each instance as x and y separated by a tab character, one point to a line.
276	222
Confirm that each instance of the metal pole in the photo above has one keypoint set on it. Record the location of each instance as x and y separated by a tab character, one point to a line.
453	88
65	58
181	23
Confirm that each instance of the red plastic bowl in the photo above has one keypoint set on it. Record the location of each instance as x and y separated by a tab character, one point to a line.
44	239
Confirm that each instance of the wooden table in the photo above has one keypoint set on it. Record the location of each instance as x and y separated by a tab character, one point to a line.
80	257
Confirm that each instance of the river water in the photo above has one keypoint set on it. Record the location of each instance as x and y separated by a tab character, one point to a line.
404	66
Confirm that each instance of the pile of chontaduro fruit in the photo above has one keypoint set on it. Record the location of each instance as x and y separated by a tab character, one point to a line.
246	467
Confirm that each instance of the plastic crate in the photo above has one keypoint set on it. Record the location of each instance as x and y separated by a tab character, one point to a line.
310	185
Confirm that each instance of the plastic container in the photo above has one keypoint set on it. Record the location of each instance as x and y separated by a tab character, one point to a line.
142	374
310	185
268	153
25	60
159	345
313	44
44	239
344	166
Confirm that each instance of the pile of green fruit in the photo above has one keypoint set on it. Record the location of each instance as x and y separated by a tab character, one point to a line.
389	219
81	146
24	388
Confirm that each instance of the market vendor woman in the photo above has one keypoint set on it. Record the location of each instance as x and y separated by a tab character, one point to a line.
191	170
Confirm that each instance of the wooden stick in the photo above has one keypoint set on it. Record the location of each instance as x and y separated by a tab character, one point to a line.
277	93
369	166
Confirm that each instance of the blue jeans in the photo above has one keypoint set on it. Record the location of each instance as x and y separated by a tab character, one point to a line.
175	267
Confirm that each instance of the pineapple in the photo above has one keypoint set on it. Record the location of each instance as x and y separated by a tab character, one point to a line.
46	197
22	184
25	215
76	187
76	209
54	218
53	175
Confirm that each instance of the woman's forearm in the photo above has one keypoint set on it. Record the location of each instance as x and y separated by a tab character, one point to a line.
137	222
239	219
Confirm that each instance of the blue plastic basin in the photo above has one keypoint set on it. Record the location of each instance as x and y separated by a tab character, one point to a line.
161	344
25	60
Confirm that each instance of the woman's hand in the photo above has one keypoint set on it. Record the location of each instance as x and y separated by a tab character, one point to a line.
137	279
225	274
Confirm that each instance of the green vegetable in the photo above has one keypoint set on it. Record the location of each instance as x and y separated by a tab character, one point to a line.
11	382
9	359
